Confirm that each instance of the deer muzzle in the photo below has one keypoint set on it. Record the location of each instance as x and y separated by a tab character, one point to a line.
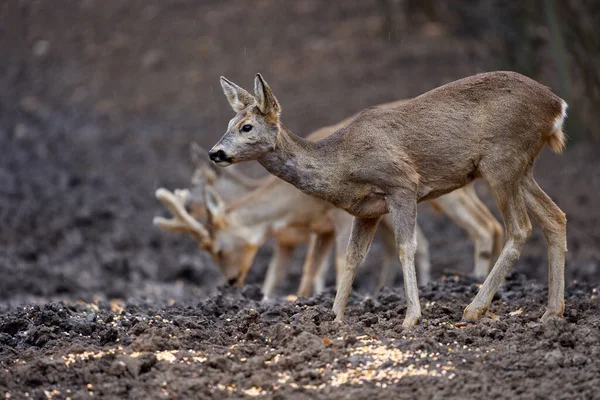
219	157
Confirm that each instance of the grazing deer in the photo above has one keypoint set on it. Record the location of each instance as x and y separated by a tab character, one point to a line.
238	227
490	125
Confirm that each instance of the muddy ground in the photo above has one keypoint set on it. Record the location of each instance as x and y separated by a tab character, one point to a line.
98	103
232	345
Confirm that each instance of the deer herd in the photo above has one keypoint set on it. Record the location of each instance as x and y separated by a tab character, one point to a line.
333	189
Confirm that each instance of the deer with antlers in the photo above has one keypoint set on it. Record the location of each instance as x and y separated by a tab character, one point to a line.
280	210
490	126
233	233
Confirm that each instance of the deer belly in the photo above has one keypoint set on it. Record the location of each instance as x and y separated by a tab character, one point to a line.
370	206
322	224
292	236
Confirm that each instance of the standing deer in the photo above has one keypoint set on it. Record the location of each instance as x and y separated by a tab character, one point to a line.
277	209
490	125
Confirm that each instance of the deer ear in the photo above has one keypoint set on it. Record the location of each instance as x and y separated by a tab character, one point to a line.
198	155
205	171
265	99
238	97
215	207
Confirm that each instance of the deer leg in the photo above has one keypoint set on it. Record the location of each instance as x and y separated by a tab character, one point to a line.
361	237
387	275
404	216
342	222
511	200
423	259
554	225
493	224
460	208
319	248
321	261
341	245
321	276
281	256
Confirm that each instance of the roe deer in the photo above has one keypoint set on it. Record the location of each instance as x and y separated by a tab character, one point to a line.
490	125
255	217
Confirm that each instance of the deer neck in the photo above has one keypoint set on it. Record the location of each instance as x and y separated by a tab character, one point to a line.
303	163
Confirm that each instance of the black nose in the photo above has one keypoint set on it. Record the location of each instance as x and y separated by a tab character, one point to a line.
217	155
232	281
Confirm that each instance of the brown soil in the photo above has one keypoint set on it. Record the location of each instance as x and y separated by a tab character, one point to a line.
98	103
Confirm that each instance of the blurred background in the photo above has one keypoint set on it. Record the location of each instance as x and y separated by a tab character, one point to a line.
99	101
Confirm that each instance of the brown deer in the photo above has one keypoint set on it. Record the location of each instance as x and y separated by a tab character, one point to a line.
280	210
490	125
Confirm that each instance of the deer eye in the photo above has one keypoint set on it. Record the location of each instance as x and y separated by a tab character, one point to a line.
246	128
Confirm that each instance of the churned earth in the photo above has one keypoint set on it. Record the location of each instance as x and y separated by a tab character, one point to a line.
99	101
232	345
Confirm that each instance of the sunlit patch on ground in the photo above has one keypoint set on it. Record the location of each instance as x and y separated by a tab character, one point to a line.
385	365
367	361
171	356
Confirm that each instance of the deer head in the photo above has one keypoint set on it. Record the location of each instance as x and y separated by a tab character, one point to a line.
231	245
234	246
254	129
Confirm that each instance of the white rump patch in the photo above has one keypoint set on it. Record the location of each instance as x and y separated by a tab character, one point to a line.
558	122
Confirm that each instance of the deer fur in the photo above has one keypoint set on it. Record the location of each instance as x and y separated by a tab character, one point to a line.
490	125
463	206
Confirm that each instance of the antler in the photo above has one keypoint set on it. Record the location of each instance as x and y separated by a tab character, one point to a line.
182	221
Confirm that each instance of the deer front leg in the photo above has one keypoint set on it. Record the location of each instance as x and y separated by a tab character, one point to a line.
281	256
341	241
342	222
403	210
319	248
422	259
361	237
386	234
321	277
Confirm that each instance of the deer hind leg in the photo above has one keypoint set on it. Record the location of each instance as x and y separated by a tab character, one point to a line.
281	256
361	237
319	248
511	200
461	208
493	223
403	210
554	225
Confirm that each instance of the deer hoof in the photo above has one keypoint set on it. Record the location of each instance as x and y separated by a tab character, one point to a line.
550	314
472	313
411	320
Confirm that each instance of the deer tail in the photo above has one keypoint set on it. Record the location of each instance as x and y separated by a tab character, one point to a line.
557	138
